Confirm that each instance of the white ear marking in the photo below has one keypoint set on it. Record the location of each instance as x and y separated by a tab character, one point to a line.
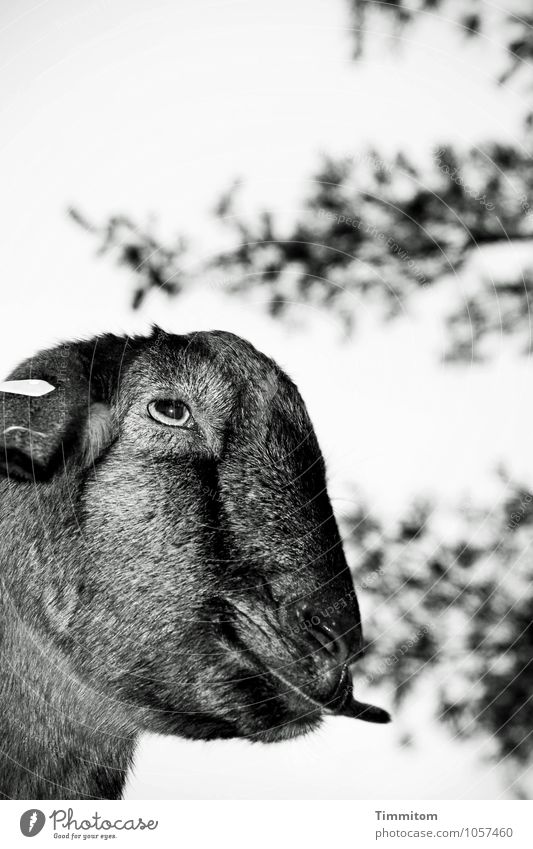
33	388
27	429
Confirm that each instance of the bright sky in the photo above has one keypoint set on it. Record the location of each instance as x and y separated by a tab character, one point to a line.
144	107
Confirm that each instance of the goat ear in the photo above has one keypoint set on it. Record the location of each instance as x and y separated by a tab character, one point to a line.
40	433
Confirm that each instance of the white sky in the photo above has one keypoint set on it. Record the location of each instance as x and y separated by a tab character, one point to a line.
142	106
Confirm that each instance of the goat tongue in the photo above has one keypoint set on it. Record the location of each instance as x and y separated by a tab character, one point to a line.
360	710
343	703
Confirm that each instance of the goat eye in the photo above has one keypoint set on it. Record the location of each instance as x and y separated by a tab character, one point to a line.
169	411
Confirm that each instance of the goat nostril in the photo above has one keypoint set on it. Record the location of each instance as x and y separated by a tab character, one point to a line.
337	642
326	639
329	642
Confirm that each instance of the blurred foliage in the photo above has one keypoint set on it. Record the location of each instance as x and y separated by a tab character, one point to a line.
154	265
473	18
371	232
457	604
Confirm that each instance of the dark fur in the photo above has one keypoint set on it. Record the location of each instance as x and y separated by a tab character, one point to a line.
150	577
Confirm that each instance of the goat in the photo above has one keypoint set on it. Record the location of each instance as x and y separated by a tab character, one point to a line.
169	560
